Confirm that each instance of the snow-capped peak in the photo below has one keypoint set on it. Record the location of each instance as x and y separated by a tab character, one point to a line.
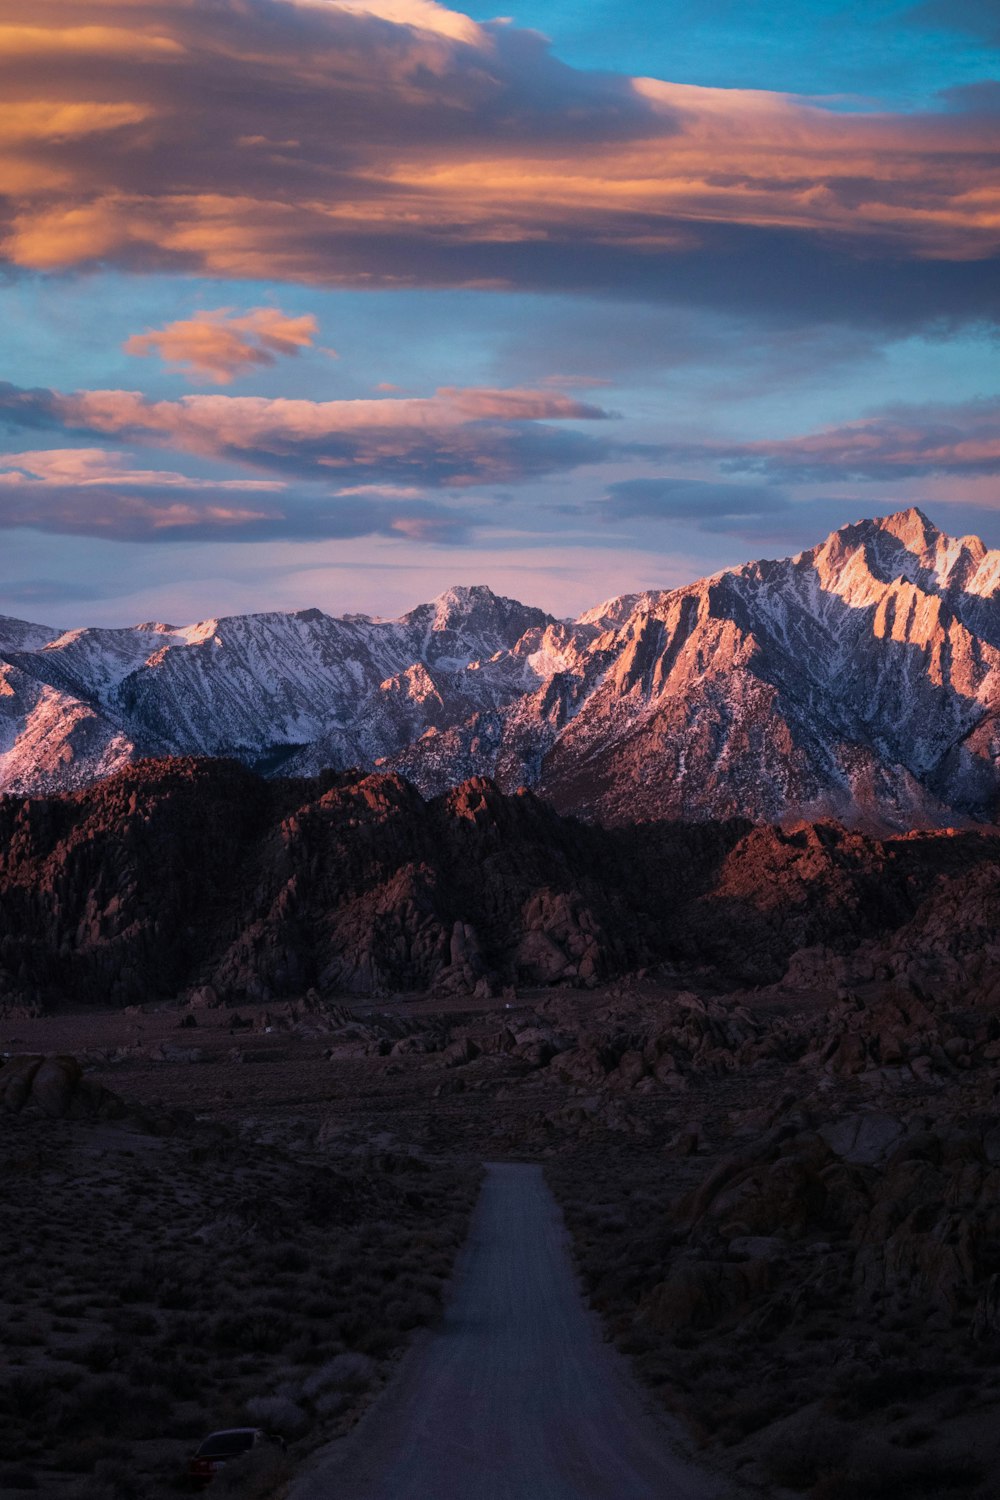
861	677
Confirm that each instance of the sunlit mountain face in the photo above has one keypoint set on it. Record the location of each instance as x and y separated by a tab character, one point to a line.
334	305
859	680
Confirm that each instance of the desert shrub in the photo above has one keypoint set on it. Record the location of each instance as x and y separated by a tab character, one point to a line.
181	1378
100	1355
876	1471
302	1349
913	1435
129	1322
101	1403
285	1257
177	1339
261	1475
14	1478
277	1414
802	1451
748	1414
256	1331
860	1394
81	1455
321	1307
331	1404
412	1312
371	1337
23	1392
345	1372
114	1479
141	1282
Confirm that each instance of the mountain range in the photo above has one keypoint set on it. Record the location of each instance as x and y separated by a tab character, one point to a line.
858	680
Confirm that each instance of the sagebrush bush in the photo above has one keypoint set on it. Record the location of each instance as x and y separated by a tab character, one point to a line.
345	1372
277	1414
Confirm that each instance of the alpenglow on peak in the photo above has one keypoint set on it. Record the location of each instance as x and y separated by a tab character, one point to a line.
859	679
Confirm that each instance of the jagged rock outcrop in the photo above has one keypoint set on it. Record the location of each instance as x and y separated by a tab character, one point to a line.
859	680
202	879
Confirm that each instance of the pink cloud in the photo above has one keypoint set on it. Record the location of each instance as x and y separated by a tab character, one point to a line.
906	441
94	492
100	493
100	466
221	344
456	437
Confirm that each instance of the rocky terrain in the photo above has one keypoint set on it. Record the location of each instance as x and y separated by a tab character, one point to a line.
201	880
858	680
783	1199
806	1266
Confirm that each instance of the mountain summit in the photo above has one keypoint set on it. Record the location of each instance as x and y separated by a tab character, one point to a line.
859	680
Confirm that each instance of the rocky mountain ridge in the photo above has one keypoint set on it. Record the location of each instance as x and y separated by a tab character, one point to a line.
859	680
191	877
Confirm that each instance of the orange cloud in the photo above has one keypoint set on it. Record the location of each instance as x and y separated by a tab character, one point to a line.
213	423
220	344
463	153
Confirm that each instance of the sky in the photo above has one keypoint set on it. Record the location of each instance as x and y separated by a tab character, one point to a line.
337	305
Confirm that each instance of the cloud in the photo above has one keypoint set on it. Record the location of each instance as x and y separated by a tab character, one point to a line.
221	344
699	500
99	466
37	593
94	492
202	138
904	442
768	520
763	516
456	438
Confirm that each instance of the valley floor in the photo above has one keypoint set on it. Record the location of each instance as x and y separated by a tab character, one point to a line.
784	1205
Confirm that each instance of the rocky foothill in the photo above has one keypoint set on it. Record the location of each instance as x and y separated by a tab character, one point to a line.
201	880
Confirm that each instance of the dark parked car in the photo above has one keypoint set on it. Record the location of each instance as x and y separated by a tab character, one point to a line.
220	1447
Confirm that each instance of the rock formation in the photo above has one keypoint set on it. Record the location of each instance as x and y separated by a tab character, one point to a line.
202	879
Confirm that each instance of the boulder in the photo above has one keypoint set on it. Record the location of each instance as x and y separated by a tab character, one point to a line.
16	1077
863	1140
54	1085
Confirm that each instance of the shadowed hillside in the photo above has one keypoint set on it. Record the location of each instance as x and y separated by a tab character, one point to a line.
177	875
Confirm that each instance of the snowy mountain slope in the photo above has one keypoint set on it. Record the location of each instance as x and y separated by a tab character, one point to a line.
51	741
21	635
266	687
844	680
860	679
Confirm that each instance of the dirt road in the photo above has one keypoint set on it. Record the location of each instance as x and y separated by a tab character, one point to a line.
515	1396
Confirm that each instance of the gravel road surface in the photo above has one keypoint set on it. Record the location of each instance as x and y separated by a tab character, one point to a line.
514	1396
